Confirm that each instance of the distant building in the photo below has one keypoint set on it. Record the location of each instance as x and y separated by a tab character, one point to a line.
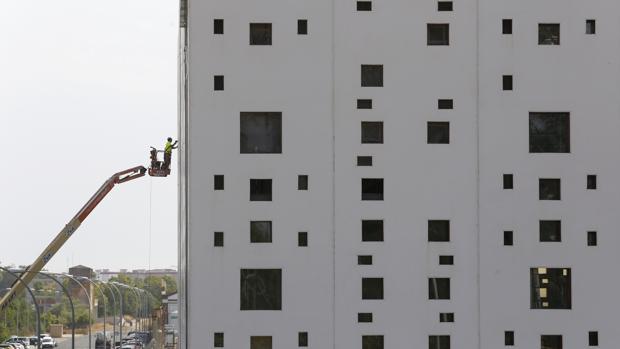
79	272
106	274
171	308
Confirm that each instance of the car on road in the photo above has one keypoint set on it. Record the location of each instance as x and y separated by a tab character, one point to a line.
18	342
48	342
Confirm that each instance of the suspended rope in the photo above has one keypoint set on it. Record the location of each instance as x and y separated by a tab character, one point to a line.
150	220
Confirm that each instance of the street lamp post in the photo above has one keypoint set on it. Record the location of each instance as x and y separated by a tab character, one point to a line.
90	337
34	301
114	313
105	309
64	289
120	326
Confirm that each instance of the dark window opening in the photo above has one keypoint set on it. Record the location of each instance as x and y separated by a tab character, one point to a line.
260	342
302	182
590	26
509	338
372	342
302	26
549	189
548	341
445	104
438	34
372	288
507	82
592	238
364	104
261	289
218	26
372	230
302	239
218	82
550	231
548	34
550	288
218	239
261	132
446	260
438	133
372	75
364	260
364	317
549	132
218	340
372	189
364	161
444	6
218	182
446	317
506	26
439	342
364	6
302	339
438	288
372	132
591	182
508	181
260	231
260	33
438	230
593	338
260	189
508	238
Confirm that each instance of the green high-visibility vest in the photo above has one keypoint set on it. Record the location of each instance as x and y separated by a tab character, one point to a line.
168	148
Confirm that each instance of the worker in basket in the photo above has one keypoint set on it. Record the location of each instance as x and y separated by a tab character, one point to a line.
168	152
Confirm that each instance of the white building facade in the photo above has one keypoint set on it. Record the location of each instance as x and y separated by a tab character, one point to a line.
399	174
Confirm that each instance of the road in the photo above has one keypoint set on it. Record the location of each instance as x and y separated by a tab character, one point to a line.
81	342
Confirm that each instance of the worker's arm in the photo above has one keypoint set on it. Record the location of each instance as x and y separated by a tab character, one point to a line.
174	145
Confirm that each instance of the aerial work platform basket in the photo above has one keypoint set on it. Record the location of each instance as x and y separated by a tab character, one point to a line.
158	168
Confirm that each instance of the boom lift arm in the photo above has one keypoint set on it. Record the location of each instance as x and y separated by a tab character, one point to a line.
68	230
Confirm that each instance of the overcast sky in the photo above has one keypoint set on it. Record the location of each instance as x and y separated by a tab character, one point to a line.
85	88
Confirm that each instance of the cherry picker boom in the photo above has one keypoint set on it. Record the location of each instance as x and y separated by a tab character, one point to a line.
156	170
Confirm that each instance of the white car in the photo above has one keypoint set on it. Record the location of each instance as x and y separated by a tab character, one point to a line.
48	342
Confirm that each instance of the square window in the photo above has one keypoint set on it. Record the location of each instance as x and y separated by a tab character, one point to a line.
548	33
550	288
372	75
509	338
260	231
439	342
593	338
438	133
372	230
218	239
445	104
437	34
302	239
302	182
508	241
260	33
438	288
507	82
372	288
506	26
260	189
218	82
218	339
218	182
364	104
364	161
218	26
372	189
372	132
438	230
364	6
590	26
303	339
446	317
372	342
260	342
591	182
261	289
508	181
592	239
364	260
364	317
446	260
549	132
549	189
550	341
550	231
444	6
302	26
261	132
